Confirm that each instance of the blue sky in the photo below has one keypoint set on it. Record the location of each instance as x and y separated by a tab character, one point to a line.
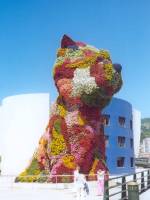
31	30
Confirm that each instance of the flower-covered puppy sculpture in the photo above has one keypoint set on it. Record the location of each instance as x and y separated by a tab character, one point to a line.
86	80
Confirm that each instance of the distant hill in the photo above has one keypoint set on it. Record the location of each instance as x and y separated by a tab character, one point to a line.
145	128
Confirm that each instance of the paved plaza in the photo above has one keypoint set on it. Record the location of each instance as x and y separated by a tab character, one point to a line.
40	194
48	194
41	191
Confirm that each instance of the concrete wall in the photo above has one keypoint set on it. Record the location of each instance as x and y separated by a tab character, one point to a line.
24	118
0	129
146	145
136	131
0	134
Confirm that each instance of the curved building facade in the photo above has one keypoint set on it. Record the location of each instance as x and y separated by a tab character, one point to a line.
118	128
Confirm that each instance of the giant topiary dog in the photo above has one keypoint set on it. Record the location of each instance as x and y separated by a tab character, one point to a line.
86	80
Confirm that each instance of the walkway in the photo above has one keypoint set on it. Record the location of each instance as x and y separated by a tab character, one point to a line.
145	195
37	191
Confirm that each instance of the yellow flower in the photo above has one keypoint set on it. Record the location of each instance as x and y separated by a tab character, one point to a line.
108	71
69	161
104	54
43	141
83	63
58	144
37	172
62	111
24	173
61	52
80	120
92	171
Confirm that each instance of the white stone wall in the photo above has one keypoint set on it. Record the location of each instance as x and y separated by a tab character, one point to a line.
0	134
136	130
146	145
0	129
23	121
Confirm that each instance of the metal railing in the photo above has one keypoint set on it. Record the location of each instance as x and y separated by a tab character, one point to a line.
114	188
117	188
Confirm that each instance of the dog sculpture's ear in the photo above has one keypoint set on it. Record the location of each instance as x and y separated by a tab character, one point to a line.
117	67
67	42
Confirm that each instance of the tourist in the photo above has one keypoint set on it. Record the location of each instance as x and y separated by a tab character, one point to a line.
77	183
80	184
85	186
100	182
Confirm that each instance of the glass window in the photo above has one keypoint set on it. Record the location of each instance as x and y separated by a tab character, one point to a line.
106	140
132	162
122	121
131	125
105	120
131	143
121	141
120	161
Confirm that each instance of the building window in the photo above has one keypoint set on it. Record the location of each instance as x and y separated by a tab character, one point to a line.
121	141
105	120
106	140
122	121
131	125
131	143
132	162
120	161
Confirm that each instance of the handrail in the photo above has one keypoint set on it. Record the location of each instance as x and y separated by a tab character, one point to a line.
144	184
120	183
126	175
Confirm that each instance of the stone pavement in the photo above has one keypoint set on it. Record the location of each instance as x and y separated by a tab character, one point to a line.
36	191
145	195
48	194
41	194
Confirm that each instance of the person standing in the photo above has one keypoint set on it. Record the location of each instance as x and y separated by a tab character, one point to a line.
77	183
80	184
85	187
100	182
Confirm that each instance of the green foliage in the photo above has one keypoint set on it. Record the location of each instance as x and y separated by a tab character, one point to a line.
34	167
57	126
42	177
145	128
66	179
97	97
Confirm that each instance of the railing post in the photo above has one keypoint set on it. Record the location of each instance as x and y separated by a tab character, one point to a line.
148	179
142	182
106	190
124	188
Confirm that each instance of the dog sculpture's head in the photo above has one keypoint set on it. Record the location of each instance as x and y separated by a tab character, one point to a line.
85	74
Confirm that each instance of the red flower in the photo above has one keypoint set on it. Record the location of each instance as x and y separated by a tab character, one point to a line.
63	72
80	44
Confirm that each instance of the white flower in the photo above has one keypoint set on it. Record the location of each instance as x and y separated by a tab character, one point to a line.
92	48
83	82
53	109
72	118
